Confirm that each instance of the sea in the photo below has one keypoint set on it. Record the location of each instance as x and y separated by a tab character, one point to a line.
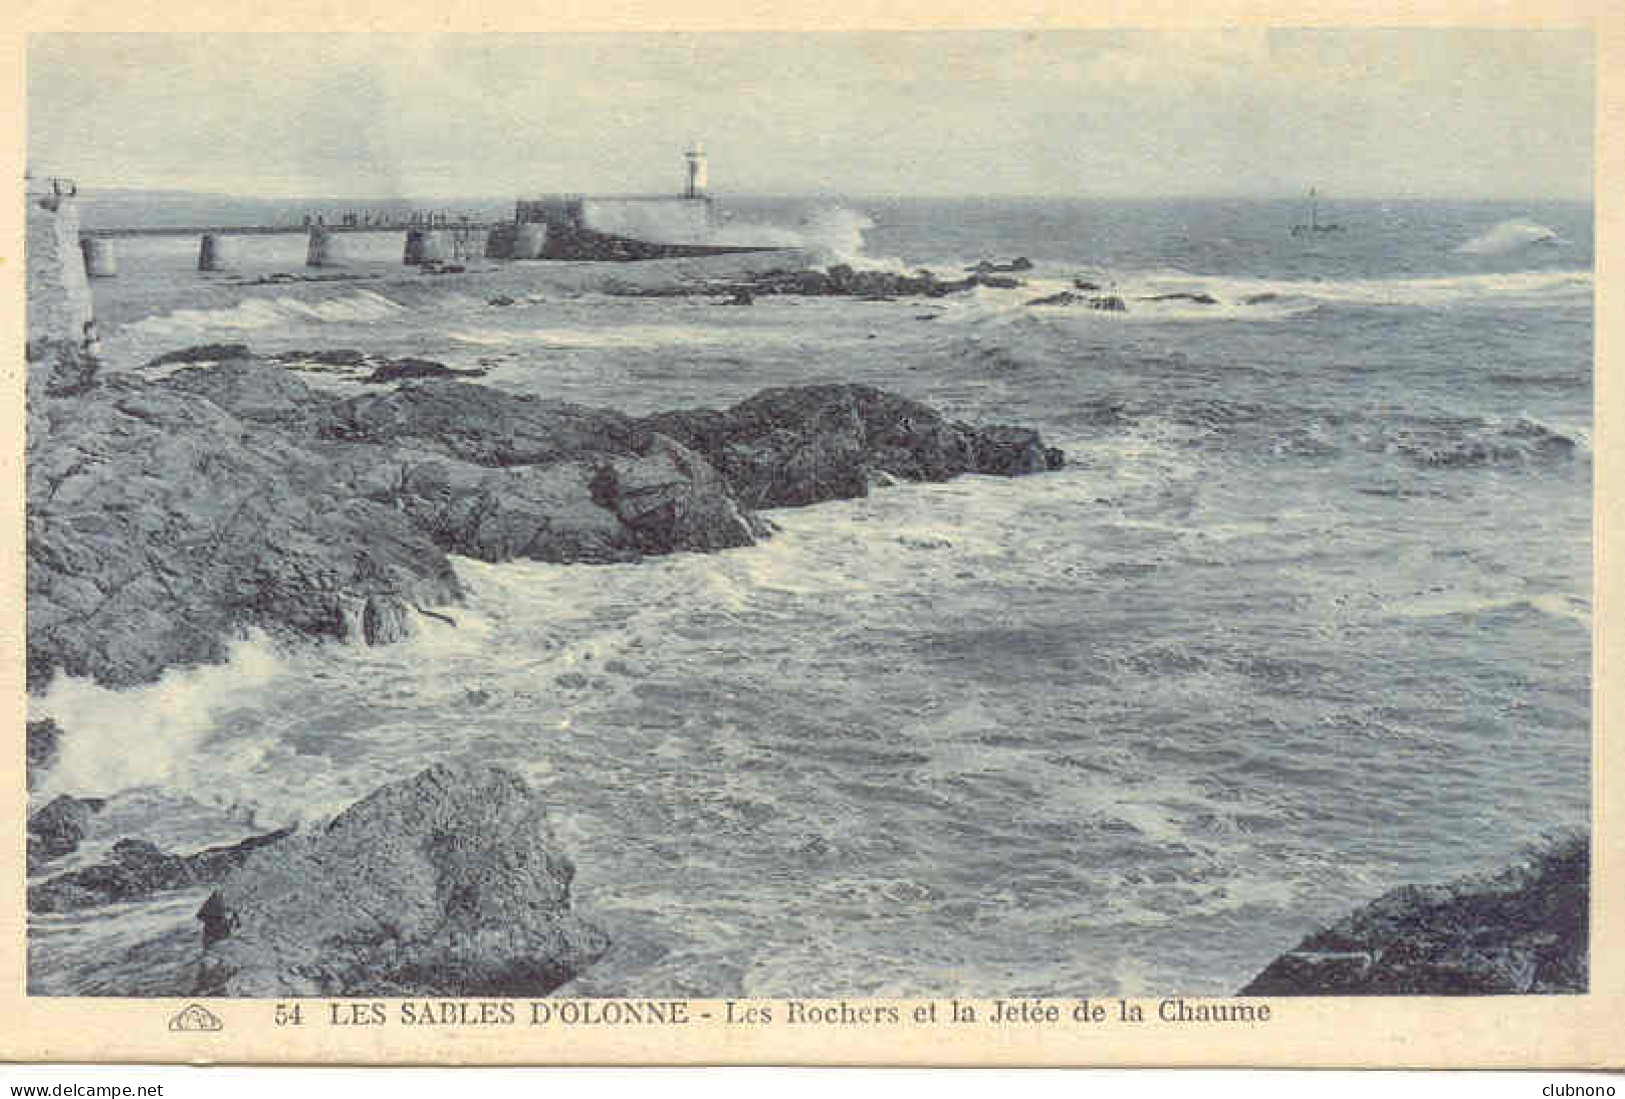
1305	617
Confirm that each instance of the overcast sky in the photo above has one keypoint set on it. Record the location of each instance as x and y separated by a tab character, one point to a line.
1361	113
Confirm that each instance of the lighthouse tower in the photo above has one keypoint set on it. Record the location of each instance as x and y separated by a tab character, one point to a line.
696	172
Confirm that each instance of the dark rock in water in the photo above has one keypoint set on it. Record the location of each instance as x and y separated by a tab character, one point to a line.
447	884
44	748
1261	299
1085	284
501	299
1197	299
1020	263
204	353
996	282
400	370
669	496
343	356
741	297
62	824
1109	304
1065	297
139	870
790	447
1523	931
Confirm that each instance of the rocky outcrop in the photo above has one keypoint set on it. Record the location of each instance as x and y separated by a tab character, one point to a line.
138	870
1523	931
400	370
160	525
788	447
43	750
838	281
57	829
166	516
447	884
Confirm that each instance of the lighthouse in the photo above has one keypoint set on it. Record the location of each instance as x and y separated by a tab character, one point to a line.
696	172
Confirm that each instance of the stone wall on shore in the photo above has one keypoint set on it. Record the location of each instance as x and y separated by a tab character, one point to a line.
60	308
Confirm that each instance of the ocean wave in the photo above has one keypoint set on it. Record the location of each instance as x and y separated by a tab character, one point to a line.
263	312
1508	236
1176	296
120	740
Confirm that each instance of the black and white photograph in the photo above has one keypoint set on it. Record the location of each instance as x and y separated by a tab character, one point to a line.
809	519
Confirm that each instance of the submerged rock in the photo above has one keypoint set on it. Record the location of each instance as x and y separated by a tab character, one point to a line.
204	353
138	870
447	884
1526	930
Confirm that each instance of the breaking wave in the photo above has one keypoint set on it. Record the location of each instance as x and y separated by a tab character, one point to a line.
1508	236
256	313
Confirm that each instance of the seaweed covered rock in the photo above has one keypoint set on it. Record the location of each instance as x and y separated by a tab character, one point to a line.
450	883
1522	931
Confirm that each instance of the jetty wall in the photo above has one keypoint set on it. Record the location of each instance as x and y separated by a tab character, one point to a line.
60	308
655	219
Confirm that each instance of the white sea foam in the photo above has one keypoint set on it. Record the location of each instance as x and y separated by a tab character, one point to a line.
119	740
259	312
1508	236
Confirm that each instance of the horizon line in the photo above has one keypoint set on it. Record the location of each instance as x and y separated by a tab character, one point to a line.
1138	196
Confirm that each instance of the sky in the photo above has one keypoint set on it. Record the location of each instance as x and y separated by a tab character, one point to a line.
1244	112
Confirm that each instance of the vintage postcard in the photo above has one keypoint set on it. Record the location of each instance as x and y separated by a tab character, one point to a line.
913	542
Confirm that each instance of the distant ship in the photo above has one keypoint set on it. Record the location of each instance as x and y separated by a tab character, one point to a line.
1314	225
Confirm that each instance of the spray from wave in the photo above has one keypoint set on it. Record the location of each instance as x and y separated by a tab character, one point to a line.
1509	236
829	234
121	740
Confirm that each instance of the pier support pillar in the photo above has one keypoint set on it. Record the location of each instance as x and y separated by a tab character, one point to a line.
101	261
499	241
214	253
425	246
530	240
323	250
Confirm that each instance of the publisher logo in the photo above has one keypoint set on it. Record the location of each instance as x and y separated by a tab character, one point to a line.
195	1017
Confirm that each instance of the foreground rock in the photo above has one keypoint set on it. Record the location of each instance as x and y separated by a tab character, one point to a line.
1523	931
138	870
448	884
167	516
